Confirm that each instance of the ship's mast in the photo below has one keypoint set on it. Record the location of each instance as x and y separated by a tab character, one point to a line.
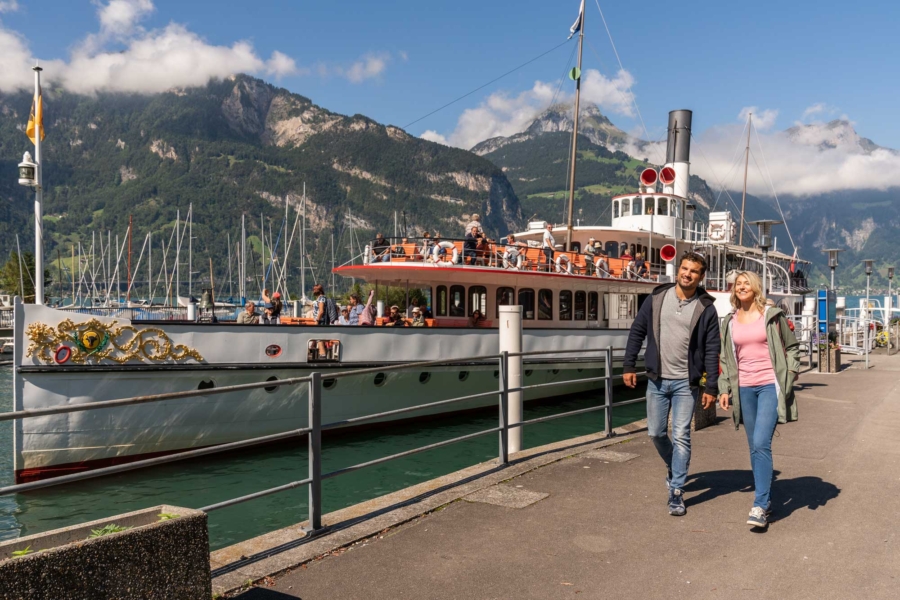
576	75
746	166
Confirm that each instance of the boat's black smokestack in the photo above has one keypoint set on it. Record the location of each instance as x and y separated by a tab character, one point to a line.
678	148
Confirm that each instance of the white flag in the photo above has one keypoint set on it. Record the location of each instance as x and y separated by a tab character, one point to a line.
576	26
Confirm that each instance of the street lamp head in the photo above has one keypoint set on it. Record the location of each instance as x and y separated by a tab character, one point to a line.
868	262
27	171
890	272
765	232
832	256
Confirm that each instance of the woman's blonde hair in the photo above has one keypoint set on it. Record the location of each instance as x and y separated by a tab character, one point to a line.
756	285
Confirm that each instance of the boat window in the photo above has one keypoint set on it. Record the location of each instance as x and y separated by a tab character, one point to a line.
615	209
576	247
636	205
526	301
457	301
675	211
565	305
593	298
662	207
478	299
545	305
648	205
440	304
612	249
626	207
505	297
606	307
580	305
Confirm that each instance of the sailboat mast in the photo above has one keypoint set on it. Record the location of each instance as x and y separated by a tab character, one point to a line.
746	167
243	286
571	208
303	249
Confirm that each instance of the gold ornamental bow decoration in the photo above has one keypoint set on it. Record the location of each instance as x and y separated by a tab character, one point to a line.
96	341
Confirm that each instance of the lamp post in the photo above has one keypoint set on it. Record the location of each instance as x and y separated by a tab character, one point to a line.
868	263
890	306
765	242
832	262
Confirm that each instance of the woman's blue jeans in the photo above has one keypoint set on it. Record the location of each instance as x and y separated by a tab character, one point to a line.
759	409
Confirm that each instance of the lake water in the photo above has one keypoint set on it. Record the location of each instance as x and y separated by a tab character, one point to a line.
204	481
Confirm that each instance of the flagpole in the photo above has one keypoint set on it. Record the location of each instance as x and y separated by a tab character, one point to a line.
575	137
38	194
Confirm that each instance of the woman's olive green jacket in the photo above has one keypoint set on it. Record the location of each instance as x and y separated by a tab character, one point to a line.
785	353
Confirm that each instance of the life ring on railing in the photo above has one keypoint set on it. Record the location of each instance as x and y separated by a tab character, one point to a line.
559	261
512	259
436	253
601	267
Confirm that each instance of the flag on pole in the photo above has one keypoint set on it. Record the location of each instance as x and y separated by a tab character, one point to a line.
576	26
36	116
794	260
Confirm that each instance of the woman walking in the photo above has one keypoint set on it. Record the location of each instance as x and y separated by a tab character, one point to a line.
760	361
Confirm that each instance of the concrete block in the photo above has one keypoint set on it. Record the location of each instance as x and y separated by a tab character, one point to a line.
153	560
506	495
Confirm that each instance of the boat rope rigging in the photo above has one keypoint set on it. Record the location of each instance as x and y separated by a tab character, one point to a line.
481	87
774	193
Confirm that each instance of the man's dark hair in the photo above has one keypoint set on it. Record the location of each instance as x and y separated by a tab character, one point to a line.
695	258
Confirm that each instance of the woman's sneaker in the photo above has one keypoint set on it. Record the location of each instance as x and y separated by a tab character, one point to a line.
757	517
676	503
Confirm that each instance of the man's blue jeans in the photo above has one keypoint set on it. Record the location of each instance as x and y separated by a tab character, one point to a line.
675	396
759	409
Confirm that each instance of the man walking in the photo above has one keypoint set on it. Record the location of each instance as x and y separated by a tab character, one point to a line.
681	327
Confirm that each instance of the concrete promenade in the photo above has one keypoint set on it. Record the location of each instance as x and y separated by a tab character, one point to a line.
595	525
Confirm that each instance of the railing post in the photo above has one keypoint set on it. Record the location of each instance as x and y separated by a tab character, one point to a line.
510	329
504	407
315	454
608	368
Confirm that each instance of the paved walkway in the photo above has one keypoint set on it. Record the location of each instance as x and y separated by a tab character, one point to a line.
591	527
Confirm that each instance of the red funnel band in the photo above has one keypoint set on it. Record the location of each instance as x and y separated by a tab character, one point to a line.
648	176
667	175
667	252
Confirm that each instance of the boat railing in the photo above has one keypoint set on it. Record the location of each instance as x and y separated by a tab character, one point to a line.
519	256
317	390
6	318
151	313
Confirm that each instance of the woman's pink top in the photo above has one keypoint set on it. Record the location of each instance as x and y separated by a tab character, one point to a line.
752	351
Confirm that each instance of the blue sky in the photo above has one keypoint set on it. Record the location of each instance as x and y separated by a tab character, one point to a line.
714	57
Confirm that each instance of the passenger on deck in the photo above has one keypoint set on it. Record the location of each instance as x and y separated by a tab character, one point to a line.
381	249
589	253
367	314
274	305
324	310
481	251
425	249
355	311
548	244
602	264
476	319
418	319
344	319
469	246
395	319
423	306
248	316
474	225
640	267
398	249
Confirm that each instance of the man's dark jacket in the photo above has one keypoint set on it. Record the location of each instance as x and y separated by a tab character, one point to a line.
703	350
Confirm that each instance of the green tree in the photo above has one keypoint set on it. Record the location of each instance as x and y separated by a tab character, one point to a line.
21	282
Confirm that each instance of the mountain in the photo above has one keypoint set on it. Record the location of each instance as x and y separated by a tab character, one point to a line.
536	161
592	124
836	134
235	146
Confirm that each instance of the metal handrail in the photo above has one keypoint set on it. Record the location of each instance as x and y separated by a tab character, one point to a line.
315	426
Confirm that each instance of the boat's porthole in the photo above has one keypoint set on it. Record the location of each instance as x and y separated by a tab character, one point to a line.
424	377
379	379
463	375
271	388
528	372
206	384
496	374
580	370
555	371
329	383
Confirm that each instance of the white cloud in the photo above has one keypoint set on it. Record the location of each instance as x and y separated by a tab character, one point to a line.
502	114
8	6
762	119
140	61
368	67
798	164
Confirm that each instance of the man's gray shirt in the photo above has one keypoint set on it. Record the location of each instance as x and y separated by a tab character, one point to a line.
675	335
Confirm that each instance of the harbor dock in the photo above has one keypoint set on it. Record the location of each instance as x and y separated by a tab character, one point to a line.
587	518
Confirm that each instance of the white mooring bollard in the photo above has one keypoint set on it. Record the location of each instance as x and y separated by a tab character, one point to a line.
511	341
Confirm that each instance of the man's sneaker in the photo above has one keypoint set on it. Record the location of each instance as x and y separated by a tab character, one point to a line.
757	517
676	503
